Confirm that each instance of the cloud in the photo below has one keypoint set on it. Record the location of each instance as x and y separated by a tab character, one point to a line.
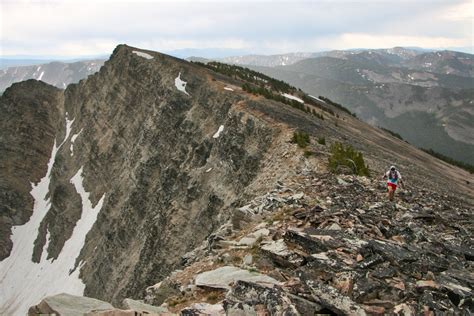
74	28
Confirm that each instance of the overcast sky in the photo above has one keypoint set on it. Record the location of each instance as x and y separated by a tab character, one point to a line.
91	27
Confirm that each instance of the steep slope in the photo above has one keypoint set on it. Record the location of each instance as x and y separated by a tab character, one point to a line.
152	152
429	108
31	119
58	74
149	157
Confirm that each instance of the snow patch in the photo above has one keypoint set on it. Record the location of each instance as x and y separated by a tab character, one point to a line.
228	89
292	97
142	54
73	139
316	98
44	254
219	131
180	84
41	75
24	283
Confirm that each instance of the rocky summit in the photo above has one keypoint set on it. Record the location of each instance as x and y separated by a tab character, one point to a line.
160	186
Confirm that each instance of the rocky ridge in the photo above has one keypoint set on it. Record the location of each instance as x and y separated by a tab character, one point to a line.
186	163
336	247
325	244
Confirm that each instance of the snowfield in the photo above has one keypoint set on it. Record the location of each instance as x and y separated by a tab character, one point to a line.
24	283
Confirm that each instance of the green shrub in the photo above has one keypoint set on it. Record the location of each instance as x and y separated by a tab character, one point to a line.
300	138
349	157
308	153
321	140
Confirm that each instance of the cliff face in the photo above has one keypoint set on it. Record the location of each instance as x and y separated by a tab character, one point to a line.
155	153
147	159
31	118
168	181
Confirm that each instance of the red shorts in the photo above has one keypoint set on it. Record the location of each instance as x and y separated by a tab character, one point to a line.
392	185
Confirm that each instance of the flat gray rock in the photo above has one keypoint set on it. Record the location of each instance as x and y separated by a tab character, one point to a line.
252	238
221	278
68	305
277	247
142	307
204	309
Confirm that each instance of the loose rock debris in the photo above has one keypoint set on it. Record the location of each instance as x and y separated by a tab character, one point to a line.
337	247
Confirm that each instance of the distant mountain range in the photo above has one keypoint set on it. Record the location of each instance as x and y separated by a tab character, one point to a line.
58	74
426	97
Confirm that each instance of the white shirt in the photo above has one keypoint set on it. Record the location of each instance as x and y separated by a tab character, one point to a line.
394	181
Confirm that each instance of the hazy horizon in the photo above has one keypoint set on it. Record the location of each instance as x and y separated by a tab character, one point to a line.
76	29
206	53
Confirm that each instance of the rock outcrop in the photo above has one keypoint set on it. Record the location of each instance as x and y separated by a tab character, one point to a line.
31	120
338	251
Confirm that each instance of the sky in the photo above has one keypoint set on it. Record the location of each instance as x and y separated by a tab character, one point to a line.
73	28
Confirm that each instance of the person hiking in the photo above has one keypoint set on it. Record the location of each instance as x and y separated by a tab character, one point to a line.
393	176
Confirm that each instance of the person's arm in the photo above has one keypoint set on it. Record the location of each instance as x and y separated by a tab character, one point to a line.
384	176
402	184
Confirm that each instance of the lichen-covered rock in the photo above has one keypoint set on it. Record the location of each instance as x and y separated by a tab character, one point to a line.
249	293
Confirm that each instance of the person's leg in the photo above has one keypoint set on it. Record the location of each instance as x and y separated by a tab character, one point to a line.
391	192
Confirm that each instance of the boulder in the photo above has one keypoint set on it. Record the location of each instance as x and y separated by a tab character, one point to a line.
158	293
203	309
68	305
330	298
252	238
223	277
279	253
240	309
142	307
275	301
